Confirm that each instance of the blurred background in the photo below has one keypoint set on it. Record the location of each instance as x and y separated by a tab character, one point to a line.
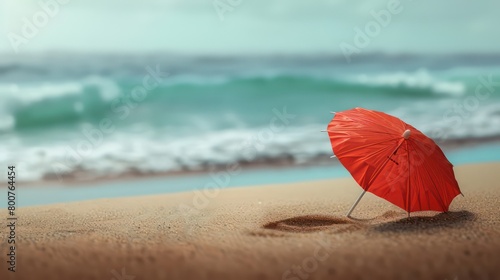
106	89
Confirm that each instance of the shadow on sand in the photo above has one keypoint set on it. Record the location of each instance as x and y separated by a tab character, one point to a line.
309	223
411	224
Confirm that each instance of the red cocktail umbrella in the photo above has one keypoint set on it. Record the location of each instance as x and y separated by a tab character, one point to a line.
393	160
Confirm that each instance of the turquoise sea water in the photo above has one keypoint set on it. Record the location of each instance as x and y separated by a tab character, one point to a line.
30	196
93	115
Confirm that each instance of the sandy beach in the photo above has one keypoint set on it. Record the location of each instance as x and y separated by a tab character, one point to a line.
288	231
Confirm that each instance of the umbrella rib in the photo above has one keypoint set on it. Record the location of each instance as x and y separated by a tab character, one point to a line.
408	202
372	122
357	129
377	172
365	146
371	180
437	197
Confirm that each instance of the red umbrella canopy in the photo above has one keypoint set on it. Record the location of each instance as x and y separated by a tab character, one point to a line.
393	160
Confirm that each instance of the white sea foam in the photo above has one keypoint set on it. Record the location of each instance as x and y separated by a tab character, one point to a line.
420	79
14	96
7	121
165	153
27	94
108	89
440	121
31	93
152	152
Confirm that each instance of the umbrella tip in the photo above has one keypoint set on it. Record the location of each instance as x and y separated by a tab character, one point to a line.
406	134
334	156
332	112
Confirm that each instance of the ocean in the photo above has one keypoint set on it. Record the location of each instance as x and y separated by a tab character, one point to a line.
92	116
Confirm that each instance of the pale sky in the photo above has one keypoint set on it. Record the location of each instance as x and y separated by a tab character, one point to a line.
249	27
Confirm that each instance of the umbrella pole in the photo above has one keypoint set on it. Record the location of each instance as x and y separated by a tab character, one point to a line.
355	203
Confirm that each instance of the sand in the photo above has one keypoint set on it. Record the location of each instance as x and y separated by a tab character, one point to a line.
289	231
